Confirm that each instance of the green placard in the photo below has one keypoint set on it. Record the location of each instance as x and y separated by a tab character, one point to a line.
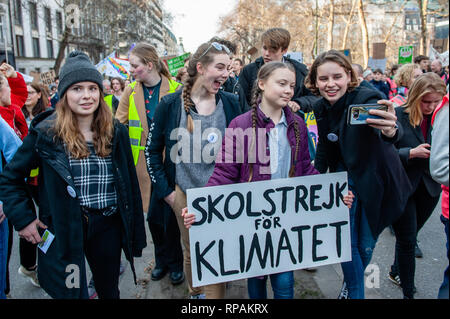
176	63
405	54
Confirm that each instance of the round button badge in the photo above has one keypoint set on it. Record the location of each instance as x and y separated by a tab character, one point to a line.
332	137
212	137
71	191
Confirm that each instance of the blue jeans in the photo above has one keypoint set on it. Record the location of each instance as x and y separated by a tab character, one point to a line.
3	256
363	243
282	285
443	290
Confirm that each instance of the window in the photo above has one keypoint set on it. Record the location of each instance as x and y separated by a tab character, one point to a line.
36	48
2	39
59	22
22	70
33	15
18	12
50	49
20	46
48	19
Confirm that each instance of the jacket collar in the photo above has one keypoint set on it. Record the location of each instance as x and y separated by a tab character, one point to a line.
264	121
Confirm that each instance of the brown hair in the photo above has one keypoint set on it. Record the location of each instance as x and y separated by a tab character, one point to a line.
41	104
66	129
204	55
424	84
264	73
330	56
147	53
405	74
121	81
276	38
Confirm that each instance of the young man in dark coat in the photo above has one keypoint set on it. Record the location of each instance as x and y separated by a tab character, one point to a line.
275	43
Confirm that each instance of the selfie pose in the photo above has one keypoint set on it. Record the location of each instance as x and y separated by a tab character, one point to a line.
274	90
366	152
88	189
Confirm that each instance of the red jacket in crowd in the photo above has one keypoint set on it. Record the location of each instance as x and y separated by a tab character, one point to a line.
12	114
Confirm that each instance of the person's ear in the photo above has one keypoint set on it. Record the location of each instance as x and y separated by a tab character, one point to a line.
284	51
261	85
150	67
200	68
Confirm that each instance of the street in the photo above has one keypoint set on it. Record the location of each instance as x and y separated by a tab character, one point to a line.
429	273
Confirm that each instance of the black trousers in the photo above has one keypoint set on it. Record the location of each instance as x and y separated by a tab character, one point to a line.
168	251
418	209
27	250
102	248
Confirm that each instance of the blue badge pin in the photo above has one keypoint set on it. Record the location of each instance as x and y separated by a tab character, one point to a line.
212	137
71	191
332	137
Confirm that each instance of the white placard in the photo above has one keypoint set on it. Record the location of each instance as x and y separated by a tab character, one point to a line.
259	228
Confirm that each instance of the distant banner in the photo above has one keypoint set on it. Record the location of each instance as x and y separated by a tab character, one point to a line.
253	229
177	63
114	67
405	54
311	123
48	77
377	64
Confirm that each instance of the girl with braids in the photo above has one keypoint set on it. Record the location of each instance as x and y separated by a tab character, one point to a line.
366	152
200	108
288	147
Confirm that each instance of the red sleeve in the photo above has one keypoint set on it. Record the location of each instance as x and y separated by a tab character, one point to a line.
19	92
19	121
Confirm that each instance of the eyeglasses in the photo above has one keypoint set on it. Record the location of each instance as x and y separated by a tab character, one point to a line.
218	47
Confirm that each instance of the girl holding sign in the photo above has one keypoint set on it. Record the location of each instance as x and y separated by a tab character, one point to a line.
288	148
88	189
199	115
367	153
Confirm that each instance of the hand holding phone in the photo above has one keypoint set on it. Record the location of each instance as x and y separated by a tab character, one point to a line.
358	114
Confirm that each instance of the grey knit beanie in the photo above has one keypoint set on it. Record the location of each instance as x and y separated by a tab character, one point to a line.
78	68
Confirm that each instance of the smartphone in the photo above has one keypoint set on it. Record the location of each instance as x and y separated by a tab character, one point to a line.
359	113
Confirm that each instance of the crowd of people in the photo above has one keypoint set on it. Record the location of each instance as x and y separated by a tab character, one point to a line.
87	158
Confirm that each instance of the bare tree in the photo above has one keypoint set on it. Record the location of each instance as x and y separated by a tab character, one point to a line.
423	5
364	32
330	26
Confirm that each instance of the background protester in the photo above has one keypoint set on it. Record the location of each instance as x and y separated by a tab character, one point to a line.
137	109
14	94
425	95
379	83
92	209
9	143
404	78
36	103
391	82
117	87
436	67
423	62
359	72
439	169
275	43
381	193
202	106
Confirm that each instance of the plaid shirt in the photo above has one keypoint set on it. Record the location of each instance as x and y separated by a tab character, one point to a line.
94	181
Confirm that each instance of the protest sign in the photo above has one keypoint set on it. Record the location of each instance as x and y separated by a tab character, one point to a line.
48	77
377	64
405	54
297	56
253	229
177	63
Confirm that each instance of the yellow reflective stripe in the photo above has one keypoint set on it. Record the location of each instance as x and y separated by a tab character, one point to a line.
34	172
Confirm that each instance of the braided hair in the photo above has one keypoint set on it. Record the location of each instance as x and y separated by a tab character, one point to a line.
204	55
266	70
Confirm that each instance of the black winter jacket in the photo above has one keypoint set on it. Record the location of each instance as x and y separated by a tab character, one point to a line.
159	146
248	76
371	159
417	168
60	211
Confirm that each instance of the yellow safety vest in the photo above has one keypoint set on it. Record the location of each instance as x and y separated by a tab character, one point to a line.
108	99
134	123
